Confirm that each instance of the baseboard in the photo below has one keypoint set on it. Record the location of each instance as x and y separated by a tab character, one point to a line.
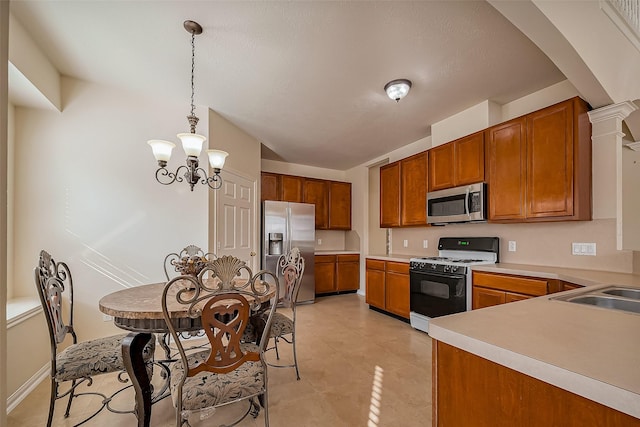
26	388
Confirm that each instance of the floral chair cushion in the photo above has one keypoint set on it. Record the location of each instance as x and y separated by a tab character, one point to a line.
281	325
208	389
249	335
99	356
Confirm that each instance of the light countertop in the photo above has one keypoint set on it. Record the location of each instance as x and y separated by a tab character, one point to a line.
589	351
573	275
392	257
341	252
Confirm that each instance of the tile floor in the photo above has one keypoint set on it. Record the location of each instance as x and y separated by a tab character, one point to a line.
357	368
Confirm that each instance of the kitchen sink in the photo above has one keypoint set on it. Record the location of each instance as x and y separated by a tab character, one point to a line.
624	292
612	297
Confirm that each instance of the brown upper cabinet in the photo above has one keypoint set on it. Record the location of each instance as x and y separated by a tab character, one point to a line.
331	198
270	186
316	192
458	162
540	165
292	188
390	195
403	192
339	205
413	189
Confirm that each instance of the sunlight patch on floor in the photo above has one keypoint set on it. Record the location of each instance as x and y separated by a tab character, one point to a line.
376	398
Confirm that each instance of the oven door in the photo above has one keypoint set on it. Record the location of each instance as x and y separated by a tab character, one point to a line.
436	294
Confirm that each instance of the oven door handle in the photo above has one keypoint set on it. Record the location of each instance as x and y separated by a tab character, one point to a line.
447	276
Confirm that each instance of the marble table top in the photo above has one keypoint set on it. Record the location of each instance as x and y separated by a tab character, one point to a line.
145	302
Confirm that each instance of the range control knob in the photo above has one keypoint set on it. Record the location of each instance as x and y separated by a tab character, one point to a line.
433	266
447	268
454	268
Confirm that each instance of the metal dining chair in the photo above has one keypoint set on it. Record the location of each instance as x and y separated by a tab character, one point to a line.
221	299
80	361
290	271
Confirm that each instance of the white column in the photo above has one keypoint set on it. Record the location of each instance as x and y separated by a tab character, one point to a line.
606	137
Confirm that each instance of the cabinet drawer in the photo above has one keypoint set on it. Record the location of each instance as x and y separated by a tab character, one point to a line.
321	259
519	284
398	267
348	258
375	264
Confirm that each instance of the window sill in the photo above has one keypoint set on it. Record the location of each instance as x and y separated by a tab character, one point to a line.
21	309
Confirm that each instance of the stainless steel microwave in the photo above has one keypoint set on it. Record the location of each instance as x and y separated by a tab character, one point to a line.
459	204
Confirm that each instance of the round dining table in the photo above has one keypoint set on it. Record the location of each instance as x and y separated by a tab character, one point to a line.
139	310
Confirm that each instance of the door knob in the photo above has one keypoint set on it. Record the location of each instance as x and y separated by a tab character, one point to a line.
252	253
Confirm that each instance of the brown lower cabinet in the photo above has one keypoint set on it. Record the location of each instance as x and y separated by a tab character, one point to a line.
471	391
388	286
337	273
497	288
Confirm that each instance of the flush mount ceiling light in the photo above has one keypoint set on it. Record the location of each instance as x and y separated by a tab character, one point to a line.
191	142
397	89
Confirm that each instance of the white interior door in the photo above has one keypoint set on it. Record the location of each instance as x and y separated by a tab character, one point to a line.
236	232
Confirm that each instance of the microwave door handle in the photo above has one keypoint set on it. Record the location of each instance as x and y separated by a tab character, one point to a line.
466	203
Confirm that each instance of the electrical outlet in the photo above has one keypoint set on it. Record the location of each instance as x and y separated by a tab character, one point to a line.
405	243
319	242
583	249
425	243
107	318
512	245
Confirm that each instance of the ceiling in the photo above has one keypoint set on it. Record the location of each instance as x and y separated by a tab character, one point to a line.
304	78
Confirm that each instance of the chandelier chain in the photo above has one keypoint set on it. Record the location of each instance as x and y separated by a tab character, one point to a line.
193	65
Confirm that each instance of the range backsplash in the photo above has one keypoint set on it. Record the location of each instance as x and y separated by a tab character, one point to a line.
537	244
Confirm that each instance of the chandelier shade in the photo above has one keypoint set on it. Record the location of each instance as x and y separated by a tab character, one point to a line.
161	149
192	143
217	158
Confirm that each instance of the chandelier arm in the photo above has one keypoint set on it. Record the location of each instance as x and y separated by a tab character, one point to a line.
172	176
214	179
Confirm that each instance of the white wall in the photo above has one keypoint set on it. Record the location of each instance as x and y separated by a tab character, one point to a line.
10	199
4	57
610	56
85	191
275	166
34	66
243	160
466	122
630	198
537	100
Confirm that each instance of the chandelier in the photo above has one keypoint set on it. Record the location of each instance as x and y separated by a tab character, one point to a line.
191	143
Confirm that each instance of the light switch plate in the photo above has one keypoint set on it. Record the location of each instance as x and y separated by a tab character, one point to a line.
425	243
319	242
405	243
512	245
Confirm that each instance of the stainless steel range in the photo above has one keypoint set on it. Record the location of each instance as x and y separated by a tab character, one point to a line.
442	285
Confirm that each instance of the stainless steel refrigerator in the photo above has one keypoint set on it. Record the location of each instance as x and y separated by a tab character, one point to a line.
286	225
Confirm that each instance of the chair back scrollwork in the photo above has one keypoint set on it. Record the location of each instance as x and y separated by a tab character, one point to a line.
190	261
291	269
53	279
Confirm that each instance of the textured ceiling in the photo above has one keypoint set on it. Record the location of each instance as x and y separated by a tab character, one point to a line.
304	78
